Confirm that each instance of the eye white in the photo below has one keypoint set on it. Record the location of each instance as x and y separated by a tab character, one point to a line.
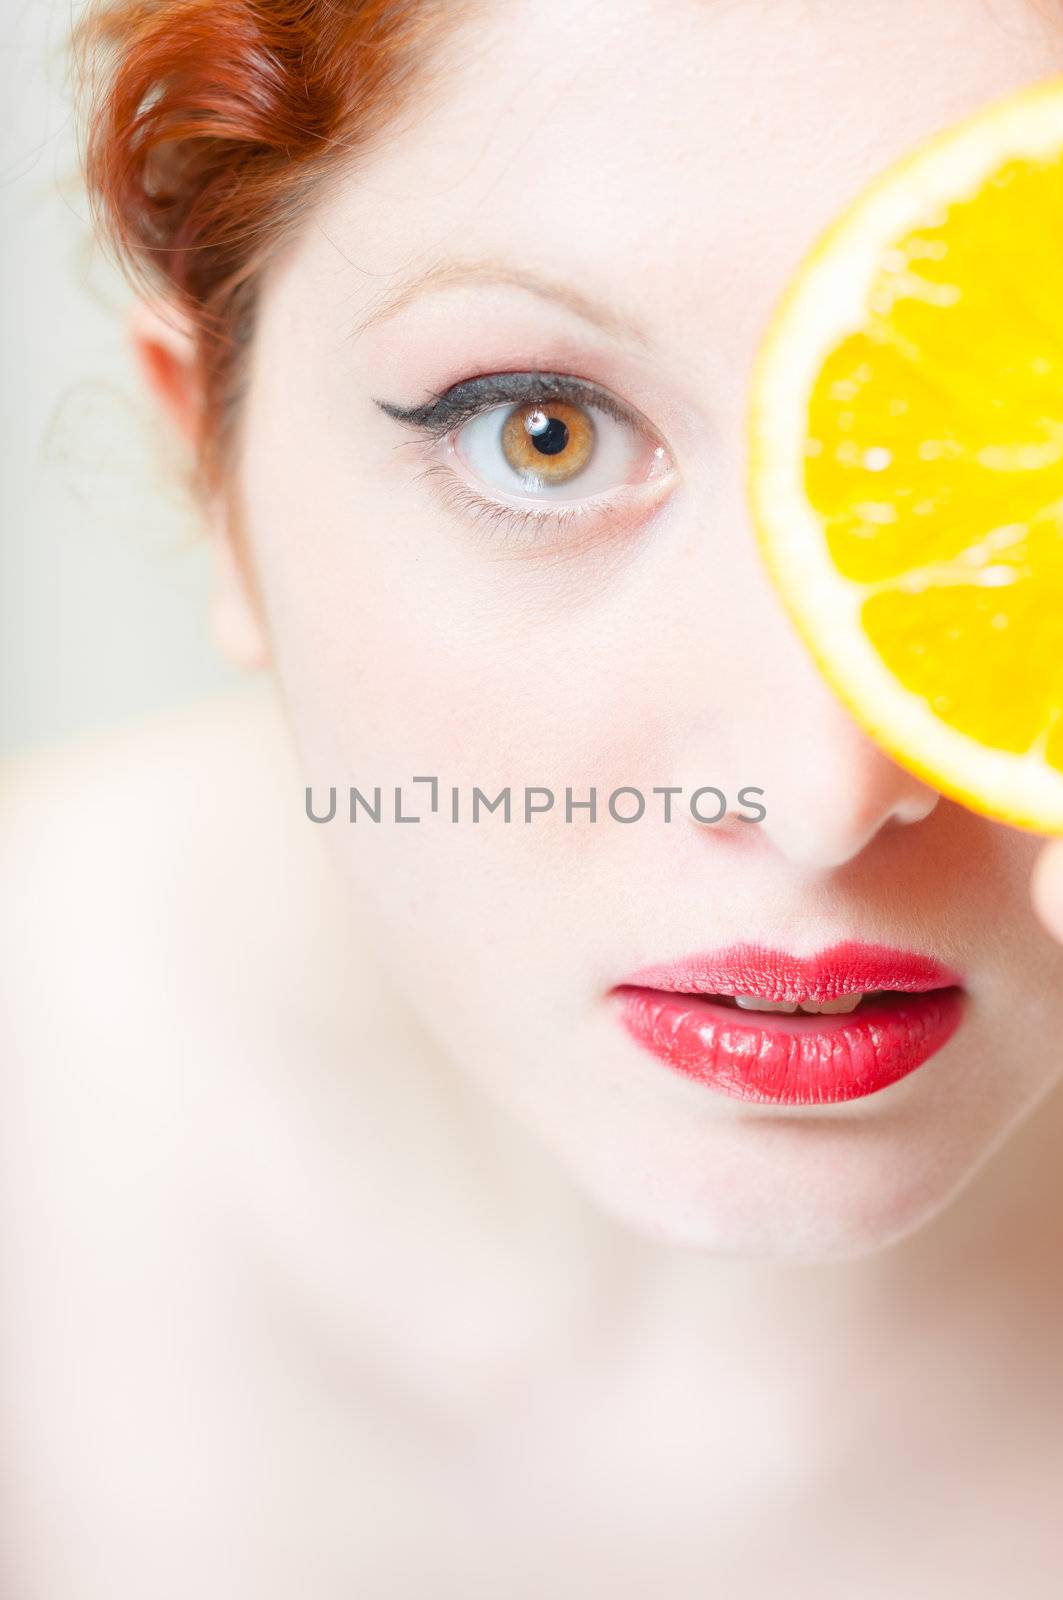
615	457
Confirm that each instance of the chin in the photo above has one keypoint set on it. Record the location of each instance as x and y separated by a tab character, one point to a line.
783	1191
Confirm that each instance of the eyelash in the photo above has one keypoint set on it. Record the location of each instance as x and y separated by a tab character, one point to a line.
470	398
452	408
496	515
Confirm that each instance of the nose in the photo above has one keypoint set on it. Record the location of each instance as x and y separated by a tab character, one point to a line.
829	789
831	797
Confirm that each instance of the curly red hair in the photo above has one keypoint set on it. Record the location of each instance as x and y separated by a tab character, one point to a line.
211	126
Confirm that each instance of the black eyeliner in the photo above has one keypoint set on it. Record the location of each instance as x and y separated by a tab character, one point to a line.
465	400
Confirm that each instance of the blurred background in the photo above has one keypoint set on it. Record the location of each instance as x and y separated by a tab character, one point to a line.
102	566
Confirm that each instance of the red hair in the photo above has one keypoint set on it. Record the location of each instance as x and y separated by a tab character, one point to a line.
211	125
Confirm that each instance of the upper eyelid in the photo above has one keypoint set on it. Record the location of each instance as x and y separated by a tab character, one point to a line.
471	396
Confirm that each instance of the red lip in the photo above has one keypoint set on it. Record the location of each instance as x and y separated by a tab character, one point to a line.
799	1059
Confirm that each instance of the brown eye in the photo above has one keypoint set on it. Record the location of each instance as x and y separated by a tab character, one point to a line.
557	447
548	442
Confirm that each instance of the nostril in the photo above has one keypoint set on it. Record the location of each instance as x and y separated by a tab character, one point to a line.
916	807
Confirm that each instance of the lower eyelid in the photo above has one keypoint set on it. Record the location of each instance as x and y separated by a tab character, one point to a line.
536	526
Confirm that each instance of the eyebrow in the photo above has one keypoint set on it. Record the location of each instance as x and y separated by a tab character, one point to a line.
444	274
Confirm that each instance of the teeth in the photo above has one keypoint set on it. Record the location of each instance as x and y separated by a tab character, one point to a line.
844	1003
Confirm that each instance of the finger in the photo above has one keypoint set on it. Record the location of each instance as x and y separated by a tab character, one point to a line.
1048	887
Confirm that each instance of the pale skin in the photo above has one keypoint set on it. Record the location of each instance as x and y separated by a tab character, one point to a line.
354	1251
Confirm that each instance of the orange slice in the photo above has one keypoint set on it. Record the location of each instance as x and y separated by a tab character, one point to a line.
906	459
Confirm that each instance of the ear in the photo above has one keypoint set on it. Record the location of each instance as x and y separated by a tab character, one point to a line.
164	348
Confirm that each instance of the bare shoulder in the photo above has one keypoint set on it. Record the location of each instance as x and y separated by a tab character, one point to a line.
91	828
134	869
171	943
166	1183
130	862
182	963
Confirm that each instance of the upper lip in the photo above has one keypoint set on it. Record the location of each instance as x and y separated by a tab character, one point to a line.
841	969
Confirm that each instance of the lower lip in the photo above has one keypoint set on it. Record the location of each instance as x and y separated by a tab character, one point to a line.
798	1059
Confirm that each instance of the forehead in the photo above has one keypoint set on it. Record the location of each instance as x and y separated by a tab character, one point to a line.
659	152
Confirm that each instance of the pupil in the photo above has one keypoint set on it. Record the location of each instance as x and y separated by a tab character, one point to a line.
549	435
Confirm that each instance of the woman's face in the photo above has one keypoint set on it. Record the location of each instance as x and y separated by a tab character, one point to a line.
617	193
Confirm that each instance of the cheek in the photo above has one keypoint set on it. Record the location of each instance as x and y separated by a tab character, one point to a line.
406	646
408	642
